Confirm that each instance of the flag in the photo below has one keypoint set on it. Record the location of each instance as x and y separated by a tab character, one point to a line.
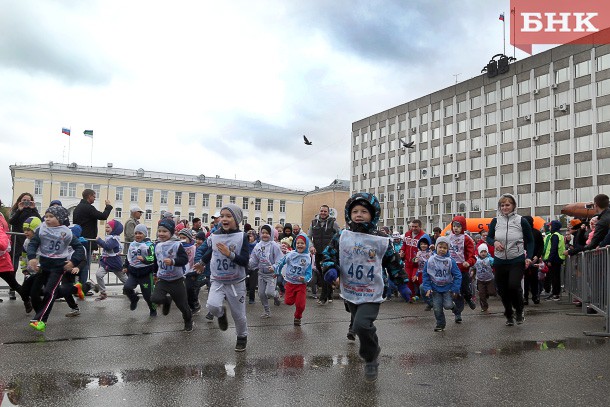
502	17
65	131
88	133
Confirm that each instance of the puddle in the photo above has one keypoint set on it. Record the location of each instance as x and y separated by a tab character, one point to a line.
20	388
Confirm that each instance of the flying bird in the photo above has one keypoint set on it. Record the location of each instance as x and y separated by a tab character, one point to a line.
408	145
307	142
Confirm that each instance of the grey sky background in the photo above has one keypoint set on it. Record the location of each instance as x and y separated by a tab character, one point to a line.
224	88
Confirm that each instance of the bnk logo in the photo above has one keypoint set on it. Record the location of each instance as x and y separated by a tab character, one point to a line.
559	22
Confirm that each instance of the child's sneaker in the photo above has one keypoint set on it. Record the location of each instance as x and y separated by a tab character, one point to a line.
209	317
371	370
96	287
38	325
241	343
28	306
471	303
223	323
351	336
510	321
297	322
265	315
153	313
79	291
276	300
520	318
167	305
458	319
188	326
102	296
439	328
74	313
134	303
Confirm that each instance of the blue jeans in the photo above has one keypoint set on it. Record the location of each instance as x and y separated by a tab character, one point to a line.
422	295
440	301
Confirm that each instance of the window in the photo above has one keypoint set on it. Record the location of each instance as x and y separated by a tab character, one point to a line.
118	194
562	75
270	221
491	181
523	109
506	114
562	123
582	118
506	92
449	129
507	180
603	87
603	139
543	198
424	117
257	204
525	200
164	197
191	216
475	163
67	189
177	198
149	196
603	166
460	146
582	68
37	187
475	102
562	147
475	122
563	196
448	110
383	131
475	143
461	126
603	62
447	188
423	192
543	151
561	98
245	220
490	97
436	133
413	122
423	137
257	221
206	200
232	200
219	201
133	197
448	148
523	87
393	127
177	214
148	215
490	160
461	106
270	205
603	114
524	132
475	184
506	136
543	174
118	212
402	125
543	127
562	171
204	218
586	194
584	143
423	155
507	157
582	93
524	177
491	139
524	154
192	199
490	118
542	81
542	104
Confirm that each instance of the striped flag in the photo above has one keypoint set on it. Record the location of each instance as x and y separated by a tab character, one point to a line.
88	133
65	131
502	17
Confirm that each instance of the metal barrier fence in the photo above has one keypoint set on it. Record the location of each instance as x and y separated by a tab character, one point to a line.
587	280
93	262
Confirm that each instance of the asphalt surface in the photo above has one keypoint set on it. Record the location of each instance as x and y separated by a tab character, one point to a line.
110	356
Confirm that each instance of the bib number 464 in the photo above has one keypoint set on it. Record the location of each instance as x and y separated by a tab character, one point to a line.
358	272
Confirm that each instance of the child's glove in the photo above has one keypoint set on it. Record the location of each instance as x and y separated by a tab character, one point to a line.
331	275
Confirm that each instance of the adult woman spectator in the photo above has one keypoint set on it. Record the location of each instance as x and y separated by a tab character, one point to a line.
513	242
23	208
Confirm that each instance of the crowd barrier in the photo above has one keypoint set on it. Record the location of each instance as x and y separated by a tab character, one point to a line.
587	281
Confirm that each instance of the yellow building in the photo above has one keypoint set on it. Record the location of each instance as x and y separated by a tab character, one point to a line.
186	196
334	195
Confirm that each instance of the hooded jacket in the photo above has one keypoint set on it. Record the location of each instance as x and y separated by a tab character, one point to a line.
441	274
265	255
112	248
515	234
462	247
298	265
423	255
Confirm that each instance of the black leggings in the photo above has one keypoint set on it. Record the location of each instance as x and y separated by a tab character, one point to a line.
508	280
9	277
177	292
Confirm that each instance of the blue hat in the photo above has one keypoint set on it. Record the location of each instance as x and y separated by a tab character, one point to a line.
55	202
168	224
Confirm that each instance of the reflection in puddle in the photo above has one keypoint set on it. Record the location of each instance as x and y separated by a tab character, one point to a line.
17	390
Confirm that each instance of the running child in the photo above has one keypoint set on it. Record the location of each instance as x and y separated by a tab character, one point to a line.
483	270
139	267
111	256
264	256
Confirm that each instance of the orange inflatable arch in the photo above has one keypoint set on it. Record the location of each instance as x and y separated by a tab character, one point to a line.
476	225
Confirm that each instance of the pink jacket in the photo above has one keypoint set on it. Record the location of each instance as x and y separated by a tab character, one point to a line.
6	264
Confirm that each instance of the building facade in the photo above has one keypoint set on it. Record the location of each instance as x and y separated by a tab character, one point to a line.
186	196
334	195
541	131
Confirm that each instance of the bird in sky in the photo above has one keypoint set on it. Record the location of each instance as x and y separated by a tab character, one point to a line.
307	142
408	145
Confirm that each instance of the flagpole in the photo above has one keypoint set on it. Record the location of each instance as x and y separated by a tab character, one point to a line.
513	19
91	152
69	145
504	33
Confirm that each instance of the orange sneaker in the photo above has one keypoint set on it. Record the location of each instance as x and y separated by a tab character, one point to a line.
79	291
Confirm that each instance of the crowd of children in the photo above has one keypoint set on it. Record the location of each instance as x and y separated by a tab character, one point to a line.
367	265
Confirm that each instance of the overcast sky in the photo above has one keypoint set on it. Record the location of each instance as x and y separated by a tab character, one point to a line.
224	87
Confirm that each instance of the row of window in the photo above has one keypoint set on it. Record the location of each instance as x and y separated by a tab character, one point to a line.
475	102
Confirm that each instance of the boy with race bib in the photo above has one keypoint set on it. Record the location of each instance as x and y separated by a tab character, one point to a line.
139	267
228	256
51	243
356	257
169	267
297	274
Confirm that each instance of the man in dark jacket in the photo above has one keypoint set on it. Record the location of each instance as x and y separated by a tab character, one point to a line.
321	232
600	204
86	216
530	279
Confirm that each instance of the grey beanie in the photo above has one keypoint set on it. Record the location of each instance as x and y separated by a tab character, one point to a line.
443	239
235	211
142	229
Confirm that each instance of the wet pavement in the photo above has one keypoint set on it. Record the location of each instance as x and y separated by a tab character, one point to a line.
112	356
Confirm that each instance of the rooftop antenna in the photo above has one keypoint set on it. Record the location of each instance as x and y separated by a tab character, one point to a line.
456	77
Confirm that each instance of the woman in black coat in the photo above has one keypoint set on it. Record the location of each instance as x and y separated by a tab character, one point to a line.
23	208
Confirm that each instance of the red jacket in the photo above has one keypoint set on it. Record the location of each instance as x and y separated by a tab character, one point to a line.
409	248
6	264
469	252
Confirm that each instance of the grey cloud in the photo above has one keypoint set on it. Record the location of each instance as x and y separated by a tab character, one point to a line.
35	42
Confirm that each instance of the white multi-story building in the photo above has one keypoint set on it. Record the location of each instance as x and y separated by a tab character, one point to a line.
541	131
